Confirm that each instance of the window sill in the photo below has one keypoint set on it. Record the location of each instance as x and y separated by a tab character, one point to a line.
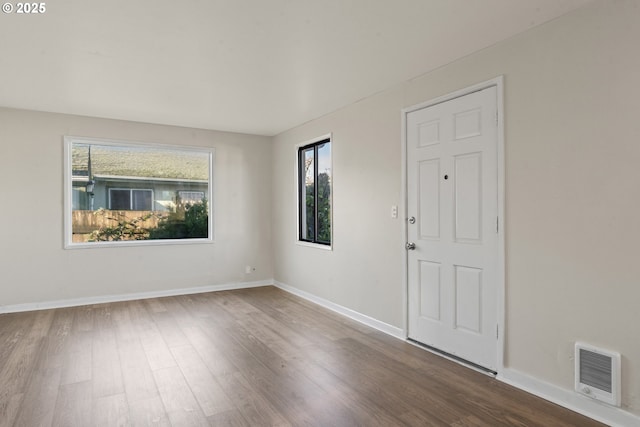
132	243
314	245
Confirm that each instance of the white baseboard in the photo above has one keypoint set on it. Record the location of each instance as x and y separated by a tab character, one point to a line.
347	312
610	415
74	302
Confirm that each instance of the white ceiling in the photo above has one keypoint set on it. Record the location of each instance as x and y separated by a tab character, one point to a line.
253	66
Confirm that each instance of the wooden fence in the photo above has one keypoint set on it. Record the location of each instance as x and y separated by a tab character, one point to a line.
85	222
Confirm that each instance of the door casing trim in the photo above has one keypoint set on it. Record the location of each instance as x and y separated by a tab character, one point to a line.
498	83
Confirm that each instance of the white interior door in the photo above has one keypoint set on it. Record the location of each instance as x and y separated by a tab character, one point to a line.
452	205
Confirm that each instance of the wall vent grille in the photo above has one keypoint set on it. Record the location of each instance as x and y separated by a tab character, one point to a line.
597	373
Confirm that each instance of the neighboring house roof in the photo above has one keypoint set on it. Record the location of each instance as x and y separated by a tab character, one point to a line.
139	162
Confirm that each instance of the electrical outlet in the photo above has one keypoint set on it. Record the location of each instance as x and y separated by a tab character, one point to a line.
248	269
394	211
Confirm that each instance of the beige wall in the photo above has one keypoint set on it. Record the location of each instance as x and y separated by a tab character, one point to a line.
35	267
572	122
572	103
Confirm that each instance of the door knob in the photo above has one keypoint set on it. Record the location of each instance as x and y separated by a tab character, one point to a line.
410	246
412	220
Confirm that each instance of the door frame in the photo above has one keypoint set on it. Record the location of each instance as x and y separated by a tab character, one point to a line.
498	83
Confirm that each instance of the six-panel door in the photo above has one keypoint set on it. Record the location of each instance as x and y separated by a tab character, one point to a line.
452	194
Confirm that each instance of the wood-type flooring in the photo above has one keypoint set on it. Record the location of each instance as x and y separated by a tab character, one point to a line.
251	357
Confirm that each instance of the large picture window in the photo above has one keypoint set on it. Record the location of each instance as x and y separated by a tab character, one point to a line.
122	193
314	192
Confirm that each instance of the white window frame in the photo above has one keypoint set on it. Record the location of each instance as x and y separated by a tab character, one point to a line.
299	242
68	142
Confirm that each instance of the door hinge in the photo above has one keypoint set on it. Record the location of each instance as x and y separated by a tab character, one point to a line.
497	224
496	118
497	331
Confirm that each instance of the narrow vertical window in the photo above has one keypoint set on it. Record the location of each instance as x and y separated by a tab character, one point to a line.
314	192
